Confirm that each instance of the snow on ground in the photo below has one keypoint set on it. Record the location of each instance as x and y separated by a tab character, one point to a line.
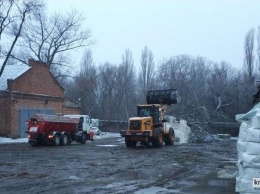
107	135
5	140
107	145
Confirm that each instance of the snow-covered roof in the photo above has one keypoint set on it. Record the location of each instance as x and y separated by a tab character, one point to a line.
12	72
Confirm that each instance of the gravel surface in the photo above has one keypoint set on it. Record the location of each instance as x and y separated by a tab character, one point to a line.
107	166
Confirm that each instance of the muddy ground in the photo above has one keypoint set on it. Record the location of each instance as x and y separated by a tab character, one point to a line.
107	166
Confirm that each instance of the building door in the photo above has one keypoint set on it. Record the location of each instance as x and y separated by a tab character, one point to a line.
26	113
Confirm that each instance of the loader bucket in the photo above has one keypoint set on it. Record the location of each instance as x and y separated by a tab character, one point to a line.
162	97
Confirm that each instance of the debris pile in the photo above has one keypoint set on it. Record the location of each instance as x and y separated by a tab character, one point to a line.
190	134
201	135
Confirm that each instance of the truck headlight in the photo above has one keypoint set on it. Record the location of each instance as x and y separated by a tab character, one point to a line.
50	136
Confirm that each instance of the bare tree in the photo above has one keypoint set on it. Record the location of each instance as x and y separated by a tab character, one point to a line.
249	56
85	84
107	91
51	40
6	18
127	80
175	73
258	50
198	84
116	95
147	70
221	87
13	16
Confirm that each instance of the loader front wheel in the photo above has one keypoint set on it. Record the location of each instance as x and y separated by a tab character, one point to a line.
158	138
169	139
129	143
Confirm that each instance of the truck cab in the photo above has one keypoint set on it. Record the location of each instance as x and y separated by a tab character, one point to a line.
85	123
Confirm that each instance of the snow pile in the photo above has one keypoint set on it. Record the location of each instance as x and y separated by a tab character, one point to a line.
248	147
181	129
107	135
182	132
4	140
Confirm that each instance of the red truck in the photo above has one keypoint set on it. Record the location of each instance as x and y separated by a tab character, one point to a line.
56	130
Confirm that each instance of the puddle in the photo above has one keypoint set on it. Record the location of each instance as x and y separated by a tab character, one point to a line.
217	183
107	145
226	174
74	177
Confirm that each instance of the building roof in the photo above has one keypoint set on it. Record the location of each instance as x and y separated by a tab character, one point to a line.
12	72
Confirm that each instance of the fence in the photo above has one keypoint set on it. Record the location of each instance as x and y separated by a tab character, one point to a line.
112	125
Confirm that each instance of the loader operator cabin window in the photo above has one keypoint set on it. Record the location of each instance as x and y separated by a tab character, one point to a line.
144	112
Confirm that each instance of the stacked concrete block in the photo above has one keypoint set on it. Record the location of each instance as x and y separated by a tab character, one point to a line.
248	147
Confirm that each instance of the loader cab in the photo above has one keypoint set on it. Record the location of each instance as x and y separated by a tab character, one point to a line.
144	111
149	110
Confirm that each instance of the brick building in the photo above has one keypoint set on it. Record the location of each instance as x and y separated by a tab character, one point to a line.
27	90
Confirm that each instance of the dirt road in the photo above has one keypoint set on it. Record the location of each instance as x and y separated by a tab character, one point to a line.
107	166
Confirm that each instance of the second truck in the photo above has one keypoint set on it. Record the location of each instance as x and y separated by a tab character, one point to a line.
59	130
150	126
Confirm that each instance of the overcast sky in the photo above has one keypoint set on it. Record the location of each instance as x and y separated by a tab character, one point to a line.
214	29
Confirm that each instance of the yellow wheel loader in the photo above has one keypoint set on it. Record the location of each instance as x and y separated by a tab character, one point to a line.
149	126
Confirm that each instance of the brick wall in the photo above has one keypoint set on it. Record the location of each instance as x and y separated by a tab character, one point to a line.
71	110
37	80
32	101
5	114
35	89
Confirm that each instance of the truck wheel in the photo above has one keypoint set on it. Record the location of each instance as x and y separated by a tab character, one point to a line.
57	140
83	138
129	143
169	139
157	138
65	139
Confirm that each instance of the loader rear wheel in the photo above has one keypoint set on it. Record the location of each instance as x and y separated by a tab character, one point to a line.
158	138
57	140
65	140
129	143
169	139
